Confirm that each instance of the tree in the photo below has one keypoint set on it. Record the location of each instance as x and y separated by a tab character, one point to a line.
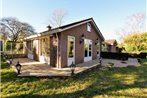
136	43
14	29
135	23
57	17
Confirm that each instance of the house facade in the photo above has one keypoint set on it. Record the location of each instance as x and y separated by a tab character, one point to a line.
75	43
110	45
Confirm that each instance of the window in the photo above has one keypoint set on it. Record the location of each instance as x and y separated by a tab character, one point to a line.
44	46
30	46
70	49
88	48
88	27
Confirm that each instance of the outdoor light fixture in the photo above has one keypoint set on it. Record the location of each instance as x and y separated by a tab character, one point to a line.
72	68
81	38
18	67
97	41
100	60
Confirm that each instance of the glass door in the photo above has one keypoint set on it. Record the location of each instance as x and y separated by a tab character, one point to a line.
87	50
71	50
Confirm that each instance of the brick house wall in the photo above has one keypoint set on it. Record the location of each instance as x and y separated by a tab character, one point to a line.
58	44
79	48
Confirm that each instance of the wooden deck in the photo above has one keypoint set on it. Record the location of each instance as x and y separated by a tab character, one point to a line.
38	69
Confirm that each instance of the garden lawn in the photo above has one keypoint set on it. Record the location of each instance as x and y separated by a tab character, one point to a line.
114	83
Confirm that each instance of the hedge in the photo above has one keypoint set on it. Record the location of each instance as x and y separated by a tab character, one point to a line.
122	56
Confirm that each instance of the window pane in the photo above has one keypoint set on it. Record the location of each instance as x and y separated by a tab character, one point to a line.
89	53
88	27
89	49
44	46
70	49
86	50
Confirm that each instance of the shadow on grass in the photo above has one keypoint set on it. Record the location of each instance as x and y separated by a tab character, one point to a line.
89	92
103	83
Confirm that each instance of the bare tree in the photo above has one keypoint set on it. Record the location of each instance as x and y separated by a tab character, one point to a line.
14	29
58	15
134	24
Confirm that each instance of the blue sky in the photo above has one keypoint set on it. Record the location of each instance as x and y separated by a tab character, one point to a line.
109	15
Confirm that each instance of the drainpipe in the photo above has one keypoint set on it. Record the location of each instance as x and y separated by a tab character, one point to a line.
57	51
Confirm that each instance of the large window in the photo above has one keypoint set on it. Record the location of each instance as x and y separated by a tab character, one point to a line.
88	48
30	46
44	46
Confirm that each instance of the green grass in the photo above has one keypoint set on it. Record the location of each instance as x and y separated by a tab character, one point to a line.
114	83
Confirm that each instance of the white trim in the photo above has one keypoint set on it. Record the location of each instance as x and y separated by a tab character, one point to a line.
60	30
88	58
44	59
88	27
30	56
74	49
32	36
76	25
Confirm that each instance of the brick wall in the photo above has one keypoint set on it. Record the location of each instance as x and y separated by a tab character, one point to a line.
79	48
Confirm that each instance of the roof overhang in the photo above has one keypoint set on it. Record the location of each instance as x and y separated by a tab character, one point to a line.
91	20
57	30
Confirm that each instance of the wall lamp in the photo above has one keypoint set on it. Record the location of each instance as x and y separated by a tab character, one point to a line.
82	38
97	41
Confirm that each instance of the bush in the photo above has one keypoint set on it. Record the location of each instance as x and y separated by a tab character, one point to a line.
143	55
111	55
122	56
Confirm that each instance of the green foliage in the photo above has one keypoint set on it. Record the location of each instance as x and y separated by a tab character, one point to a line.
136	43
8	46
114	83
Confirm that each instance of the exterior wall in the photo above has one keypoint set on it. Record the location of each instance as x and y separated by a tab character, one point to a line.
113	48
79	48
53	51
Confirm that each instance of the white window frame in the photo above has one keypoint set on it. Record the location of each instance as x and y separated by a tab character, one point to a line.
88	27
88	42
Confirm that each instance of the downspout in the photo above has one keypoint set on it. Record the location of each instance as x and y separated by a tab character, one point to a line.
57	51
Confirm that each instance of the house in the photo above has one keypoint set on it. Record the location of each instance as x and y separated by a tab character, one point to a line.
110	45
75	43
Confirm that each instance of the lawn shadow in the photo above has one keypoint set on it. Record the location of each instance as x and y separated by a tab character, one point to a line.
103	82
